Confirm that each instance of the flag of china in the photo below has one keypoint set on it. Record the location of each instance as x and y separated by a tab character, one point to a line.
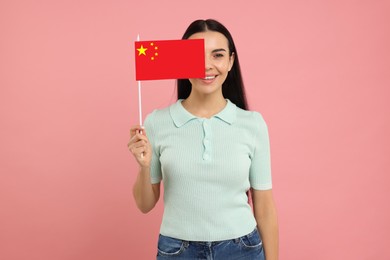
169	59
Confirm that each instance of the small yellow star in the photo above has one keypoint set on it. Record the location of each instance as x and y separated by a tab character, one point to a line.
142	50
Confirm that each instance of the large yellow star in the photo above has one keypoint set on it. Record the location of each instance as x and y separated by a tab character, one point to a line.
142	50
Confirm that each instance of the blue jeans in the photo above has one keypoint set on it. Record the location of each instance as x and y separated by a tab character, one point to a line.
249	247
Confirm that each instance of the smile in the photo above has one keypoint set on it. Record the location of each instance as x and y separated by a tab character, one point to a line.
210	77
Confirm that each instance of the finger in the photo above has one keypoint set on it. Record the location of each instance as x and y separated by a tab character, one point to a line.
137	145
140	143
136	129
139	152
137	138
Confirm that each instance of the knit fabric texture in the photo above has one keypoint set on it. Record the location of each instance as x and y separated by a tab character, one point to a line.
207	165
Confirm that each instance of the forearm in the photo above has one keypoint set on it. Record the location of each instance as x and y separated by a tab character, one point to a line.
269	230
143	192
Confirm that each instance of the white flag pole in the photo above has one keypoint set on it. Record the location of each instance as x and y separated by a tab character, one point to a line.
140	103
139	97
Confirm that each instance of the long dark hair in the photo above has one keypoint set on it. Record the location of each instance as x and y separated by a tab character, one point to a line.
233	87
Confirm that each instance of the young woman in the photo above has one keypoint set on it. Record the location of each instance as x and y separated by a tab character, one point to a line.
211	153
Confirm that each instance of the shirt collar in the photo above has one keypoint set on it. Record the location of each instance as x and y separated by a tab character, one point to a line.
181	116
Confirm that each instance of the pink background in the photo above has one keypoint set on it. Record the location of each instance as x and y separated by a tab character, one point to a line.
318	71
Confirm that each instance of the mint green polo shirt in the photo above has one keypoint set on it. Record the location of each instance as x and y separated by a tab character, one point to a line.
207	166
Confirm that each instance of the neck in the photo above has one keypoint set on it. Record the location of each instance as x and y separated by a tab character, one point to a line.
204	106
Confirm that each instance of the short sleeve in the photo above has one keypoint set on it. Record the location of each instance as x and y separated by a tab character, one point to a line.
260	170
155	167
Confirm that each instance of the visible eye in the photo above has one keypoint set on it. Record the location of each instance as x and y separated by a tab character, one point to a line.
218	55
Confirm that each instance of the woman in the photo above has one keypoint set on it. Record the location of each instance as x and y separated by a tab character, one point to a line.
211	153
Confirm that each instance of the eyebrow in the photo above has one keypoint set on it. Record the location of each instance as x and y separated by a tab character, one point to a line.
217	50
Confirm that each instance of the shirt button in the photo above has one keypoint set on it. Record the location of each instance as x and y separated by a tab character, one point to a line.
206	126
206	156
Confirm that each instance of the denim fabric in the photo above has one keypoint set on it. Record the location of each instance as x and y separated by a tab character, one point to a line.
249	247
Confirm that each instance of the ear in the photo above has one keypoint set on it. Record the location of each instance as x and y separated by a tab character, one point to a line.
231	60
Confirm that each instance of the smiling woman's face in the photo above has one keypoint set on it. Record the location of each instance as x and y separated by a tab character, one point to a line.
218	62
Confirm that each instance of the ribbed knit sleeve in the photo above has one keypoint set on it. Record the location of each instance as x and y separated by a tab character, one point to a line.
155	167
260	169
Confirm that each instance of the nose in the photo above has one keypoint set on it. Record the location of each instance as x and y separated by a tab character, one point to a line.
208	64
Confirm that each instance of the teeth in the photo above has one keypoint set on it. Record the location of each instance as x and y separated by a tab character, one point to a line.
209	77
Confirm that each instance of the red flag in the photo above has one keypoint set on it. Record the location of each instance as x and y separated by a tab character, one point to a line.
169	59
